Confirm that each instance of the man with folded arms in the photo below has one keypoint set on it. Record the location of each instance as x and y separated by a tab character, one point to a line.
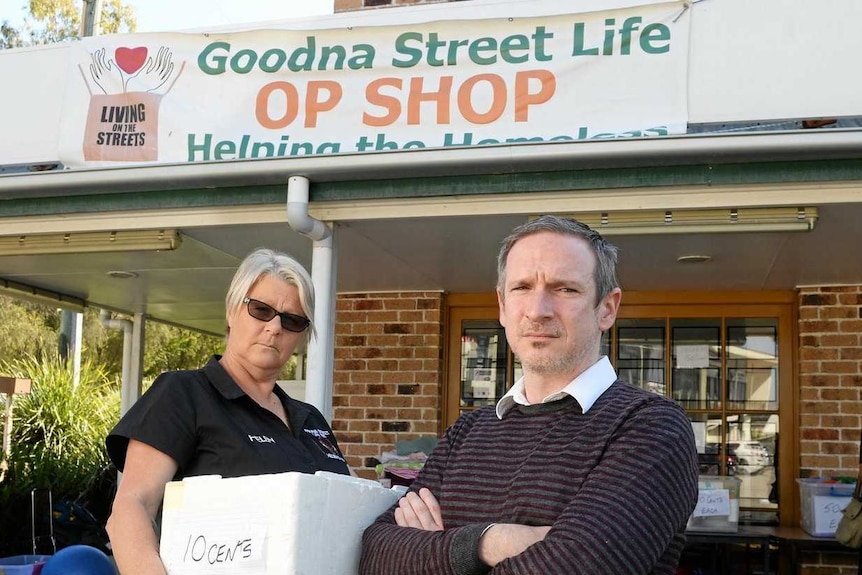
573	471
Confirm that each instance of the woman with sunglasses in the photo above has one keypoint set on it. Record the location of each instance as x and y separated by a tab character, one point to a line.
228	418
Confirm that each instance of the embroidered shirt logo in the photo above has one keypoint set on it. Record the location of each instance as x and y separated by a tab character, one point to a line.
321	439
261	439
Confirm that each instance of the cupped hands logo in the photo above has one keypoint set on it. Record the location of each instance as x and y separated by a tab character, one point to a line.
126	86
132	70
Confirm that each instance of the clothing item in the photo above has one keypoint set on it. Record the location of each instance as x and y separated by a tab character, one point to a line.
617	484
586	388
209	426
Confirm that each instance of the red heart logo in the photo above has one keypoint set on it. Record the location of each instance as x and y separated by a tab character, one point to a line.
130	60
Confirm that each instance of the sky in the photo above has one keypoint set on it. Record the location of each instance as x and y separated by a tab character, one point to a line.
166	15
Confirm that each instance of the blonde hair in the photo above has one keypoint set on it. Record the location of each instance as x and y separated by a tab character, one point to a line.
266	262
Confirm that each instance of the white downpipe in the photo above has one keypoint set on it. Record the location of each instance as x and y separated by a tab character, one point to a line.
318	382
127	397
136	362
76	348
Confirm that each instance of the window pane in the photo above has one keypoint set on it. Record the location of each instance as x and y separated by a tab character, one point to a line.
640	353
752	440
752	364
711	457
696	361
483	363
606	343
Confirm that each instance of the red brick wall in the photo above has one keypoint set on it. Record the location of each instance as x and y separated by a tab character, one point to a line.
387	381
830	380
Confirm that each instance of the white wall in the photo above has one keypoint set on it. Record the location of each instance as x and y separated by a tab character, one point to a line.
295	388
774	59
33	82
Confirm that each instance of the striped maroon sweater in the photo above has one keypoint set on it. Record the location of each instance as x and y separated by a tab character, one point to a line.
617	484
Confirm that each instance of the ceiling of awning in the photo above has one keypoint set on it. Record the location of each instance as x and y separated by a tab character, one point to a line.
440	243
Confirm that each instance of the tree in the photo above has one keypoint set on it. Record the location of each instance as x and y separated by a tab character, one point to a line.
117	17
30	329
9	36
166	347
50	21
26	329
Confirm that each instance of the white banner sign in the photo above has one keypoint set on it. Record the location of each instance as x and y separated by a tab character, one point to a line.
280	93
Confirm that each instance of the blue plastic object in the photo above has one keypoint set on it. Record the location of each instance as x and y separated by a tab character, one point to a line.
21	564
79	560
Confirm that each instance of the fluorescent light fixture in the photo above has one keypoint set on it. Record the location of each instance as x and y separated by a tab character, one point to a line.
701	221
90	242
39	295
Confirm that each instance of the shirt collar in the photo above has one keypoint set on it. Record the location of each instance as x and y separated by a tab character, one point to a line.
586	388
297	411
220	379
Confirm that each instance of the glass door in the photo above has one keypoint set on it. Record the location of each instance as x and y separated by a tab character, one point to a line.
483	368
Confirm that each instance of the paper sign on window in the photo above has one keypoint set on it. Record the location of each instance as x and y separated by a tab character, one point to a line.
699	429
692	356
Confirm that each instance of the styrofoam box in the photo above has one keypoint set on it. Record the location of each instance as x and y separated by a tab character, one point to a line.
822	504
717	506
279	524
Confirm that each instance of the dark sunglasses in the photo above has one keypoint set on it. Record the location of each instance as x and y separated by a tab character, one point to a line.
263	312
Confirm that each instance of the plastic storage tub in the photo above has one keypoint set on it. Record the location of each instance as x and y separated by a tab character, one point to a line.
717	505
22	564
823	500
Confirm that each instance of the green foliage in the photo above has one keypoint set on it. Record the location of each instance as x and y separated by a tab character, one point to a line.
59	428
117	17
169	347
30	329
102	346
58	21
51	21
9	36
26	329
57	445
166	347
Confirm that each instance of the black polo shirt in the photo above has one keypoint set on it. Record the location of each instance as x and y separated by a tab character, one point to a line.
209	426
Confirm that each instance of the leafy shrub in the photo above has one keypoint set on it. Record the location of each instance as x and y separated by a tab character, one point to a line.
58	434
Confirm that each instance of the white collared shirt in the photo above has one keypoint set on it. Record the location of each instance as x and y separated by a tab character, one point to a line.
586	388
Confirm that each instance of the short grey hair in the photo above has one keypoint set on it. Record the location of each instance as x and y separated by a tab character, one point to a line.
266	262
605	274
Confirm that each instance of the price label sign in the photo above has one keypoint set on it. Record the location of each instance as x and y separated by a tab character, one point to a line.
712	503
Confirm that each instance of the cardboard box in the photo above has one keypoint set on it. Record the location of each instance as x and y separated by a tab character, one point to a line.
717	505
823	500
279	524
